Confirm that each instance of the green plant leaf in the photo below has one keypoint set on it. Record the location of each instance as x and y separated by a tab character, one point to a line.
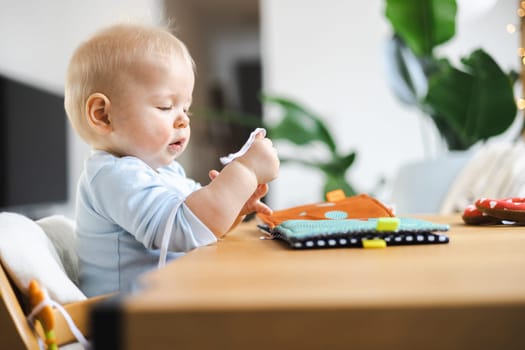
334	171
338	165
306	163
299	125
476	103
423	24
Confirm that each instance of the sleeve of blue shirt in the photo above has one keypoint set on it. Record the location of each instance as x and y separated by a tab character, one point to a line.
140	200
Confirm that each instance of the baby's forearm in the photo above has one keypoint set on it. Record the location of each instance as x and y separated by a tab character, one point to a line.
218	204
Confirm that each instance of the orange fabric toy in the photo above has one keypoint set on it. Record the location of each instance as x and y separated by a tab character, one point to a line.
338	207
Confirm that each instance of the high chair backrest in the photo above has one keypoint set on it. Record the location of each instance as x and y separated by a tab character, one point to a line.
28	251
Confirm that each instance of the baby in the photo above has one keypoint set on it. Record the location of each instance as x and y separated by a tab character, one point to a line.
128	93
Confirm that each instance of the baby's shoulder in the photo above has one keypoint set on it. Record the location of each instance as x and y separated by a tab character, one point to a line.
107	165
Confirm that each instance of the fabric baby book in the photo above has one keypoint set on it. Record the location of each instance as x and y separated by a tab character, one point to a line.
357	221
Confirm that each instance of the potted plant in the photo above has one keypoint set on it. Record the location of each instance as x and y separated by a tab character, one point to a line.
467	104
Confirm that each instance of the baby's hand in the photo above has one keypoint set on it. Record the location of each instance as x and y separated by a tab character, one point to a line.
253	204
262	159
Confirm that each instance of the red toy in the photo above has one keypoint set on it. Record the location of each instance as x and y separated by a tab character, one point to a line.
487	211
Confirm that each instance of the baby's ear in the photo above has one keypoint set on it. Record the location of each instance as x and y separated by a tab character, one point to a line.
97	111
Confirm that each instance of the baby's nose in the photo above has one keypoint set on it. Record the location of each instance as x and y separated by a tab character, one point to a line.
181	121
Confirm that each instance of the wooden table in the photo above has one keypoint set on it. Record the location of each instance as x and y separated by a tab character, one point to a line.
248	293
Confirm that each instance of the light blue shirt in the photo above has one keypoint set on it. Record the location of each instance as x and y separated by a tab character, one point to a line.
123	206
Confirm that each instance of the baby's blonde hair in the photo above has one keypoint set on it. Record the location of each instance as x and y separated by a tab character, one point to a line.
100	64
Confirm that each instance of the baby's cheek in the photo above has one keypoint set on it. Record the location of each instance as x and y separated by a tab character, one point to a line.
161	135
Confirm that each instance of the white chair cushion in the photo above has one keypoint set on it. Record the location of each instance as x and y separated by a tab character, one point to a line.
27	253
61	231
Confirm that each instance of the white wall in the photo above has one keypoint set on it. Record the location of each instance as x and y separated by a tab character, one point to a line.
329	55
38	37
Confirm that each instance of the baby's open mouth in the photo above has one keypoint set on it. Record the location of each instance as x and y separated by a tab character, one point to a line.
176	145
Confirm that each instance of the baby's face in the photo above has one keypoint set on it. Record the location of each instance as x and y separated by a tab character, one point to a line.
150	114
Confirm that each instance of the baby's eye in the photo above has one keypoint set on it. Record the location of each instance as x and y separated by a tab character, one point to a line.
187	112
165	108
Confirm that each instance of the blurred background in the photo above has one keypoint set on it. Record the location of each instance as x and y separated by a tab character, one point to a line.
327	55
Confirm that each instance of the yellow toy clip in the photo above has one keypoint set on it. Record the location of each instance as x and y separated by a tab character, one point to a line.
387	224
45	316
373	243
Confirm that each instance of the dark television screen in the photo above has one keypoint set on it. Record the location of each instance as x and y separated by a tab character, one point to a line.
33	151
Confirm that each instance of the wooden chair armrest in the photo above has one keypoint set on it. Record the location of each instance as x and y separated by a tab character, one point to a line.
79	312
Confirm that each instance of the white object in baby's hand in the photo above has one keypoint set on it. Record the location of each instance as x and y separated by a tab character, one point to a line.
230	157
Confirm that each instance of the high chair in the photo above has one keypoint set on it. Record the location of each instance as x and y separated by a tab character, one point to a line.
19	262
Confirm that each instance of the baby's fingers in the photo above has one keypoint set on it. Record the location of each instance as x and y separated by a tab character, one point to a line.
262	208
213	174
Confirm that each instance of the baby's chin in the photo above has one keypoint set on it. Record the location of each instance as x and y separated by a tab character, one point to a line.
172	156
